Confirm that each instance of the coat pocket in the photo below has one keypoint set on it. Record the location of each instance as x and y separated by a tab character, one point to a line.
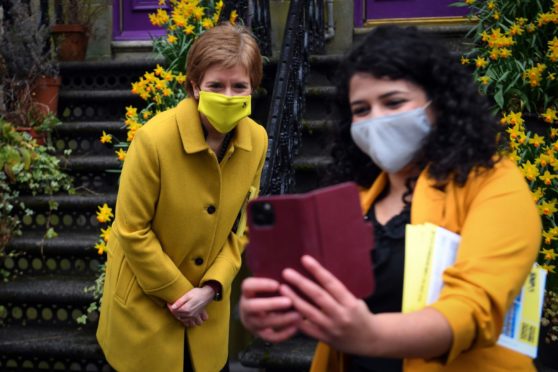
124	282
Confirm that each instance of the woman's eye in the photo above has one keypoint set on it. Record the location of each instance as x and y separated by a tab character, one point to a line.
359	111
241	87
395	103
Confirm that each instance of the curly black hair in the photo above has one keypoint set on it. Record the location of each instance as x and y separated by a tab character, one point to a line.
465	137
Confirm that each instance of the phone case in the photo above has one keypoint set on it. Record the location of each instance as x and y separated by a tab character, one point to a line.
326	224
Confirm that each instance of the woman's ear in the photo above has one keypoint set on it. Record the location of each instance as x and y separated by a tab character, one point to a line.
195	89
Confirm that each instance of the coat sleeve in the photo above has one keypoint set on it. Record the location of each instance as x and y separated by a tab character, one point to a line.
226	265
136	204
500	239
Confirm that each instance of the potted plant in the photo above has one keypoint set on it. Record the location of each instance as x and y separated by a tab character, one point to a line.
31	73
74	25
515	60
26	168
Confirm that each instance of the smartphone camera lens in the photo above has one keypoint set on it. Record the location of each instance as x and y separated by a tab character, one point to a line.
262	214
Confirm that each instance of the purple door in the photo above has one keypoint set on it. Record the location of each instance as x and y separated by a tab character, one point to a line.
131	20
373	10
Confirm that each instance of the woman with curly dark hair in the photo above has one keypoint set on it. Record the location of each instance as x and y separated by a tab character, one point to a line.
420	140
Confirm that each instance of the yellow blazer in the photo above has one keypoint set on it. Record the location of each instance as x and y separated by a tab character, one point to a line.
500	233
175	210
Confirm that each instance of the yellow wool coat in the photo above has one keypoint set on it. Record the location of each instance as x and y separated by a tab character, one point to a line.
500	236
175	212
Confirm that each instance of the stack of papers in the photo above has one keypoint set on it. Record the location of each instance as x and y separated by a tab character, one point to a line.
430	249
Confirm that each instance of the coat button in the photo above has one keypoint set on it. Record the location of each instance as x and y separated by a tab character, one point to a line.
211	209
198	261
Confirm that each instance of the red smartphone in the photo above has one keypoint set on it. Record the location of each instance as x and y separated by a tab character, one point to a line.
326	224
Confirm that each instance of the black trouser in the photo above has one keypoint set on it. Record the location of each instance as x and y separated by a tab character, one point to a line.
188	362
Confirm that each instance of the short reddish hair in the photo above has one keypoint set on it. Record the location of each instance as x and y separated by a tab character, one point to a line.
225	45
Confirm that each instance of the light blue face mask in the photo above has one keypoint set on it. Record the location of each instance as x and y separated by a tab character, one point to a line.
392	141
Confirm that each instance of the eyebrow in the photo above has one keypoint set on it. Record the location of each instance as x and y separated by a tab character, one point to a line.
221	82
383	96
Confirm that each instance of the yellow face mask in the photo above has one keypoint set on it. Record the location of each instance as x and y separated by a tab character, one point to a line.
224	112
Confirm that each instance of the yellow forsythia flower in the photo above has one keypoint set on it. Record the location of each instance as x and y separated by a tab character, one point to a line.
104	214
105	234
537	140
549	268
547	208
549	116
549	254
547	178
530	170
106	138
485	80
101	247
233	17
121	154
481	62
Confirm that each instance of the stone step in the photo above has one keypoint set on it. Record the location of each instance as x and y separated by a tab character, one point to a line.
72	243
50	348
452	35
317	126
323	69
75	213
310	172
93	127
48	299
70	254
319	102
95	163
55	289
293	355
83	138
82	201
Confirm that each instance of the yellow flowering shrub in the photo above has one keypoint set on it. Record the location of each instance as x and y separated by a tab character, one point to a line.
515	52
160	89
515	61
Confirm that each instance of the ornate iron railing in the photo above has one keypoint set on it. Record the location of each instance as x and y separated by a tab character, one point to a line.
304	34
255	14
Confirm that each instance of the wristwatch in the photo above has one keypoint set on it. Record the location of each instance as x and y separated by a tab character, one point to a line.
217	289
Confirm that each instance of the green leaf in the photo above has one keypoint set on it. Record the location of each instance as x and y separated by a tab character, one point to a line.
459	4
499	97
51	234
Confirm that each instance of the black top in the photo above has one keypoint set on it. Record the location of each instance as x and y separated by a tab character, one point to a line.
388	259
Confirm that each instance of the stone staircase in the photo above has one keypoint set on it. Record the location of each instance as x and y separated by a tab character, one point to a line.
43	301
39	307
41	304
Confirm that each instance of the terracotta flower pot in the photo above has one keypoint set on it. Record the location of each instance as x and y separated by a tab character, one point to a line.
39	137
45	92
71	41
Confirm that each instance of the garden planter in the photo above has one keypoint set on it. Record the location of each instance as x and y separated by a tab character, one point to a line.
37	136
45	92
71	41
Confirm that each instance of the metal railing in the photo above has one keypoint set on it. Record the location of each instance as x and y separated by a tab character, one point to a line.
256	15
304	34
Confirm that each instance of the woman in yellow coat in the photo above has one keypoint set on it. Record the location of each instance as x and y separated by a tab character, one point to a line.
413	113
178	235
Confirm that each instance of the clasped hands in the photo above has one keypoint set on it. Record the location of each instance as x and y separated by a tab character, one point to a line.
190	308
333	316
